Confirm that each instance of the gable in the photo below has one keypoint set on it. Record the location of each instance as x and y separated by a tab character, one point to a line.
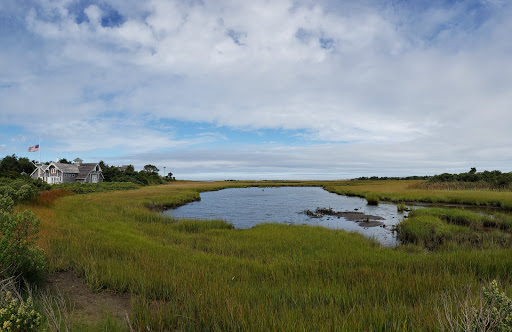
86	169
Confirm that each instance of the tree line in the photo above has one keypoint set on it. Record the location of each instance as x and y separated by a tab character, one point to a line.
496	179
383	178
13	167
148	175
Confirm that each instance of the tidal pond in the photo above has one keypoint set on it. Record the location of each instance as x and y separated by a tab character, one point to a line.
247	207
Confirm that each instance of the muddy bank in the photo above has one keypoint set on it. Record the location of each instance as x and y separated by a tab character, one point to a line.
364	220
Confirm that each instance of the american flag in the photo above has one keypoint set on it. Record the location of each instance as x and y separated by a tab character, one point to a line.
33	148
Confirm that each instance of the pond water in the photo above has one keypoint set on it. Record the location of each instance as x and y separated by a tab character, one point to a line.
247	207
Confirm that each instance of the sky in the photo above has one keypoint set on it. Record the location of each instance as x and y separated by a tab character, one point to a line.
260	89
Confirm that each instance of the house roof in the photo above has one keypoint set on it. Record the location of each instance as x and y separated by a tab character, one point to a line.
67	168
81	169
85	169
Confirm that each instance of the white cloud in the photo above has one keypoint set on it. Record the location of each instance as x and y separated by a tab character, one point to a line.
364	73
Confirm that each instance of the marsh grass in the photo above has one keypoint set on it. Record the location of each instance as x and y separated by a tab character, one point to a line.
46	198
402	207
57	309
435	228
194	275
412	191
87	188
485	186
372	199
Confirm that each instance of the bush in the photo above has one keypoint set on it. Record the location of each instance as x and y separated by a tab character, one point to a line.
492	311
497	314
16	314
7	191
18	256
20	189
25	193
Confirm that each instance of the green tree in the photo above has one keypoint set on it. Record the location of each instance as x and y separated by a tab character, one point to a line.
151	169
130	170
12	166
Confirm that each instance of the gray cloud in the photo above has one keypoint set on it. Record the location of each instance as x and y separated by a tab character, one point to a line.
387	81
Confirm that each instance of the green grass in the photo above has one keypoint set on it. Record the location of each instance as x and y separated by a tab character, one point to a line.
448	228
195	275
413	191
372	199
87	188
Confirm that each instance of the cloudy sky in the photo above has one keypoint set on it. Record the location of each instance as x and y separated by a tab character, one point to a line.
260	89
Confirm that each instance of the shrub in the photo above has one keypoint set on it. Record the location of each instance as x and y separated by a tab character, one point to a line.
16	314
25	193
18	256
18	189
497	315
491	312
7	191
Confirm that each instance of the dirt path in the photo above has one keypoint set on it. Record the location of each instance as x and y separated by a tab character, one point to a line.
86	305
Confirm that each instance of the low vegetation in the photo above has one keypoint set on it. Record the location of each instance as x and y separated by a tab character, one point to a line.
202	275
86	188
21	264
402	208
491	311
453	228
17	311
401	191
372	199
22	189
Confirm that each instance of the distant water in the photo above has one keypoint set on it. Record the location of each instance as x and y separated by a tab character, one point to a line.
247	207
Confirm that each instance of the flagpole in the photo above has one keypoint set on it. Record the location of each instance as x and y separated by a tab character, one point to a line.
39	150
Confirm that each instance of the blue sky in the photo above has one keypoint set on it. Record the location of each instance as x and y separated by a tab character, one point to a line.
284	89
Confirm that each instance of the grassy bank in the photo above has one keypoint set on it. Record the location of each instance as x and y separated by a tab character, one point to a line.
414	191
456	229
197	275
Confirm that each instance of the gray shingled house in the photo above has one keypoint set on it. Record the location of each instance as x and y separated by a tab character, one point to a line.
57	172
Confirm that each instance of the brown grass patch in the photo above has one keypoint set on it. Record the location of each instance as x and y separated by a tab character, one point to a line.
46	198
